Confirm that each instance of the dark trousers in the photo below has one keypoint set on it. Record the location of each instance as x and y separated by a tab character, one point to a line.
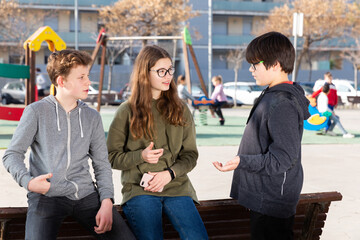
45	215
265	227
217	108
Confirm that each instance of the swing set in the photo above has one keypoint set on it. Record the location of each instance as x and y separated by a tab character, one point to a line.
186	44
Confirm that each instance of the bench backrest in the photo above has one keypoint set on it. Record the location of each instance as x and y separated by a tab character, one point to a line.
223	219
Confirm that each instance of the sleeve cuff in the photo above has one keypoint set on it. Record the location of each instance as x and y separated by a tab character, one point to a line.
24	182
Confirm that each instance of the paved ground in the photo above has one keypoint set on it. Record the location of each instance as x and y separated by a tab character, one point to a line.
327	167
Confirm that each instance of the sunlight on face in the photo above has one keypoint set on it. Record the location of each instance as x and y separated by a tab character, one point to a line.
159	84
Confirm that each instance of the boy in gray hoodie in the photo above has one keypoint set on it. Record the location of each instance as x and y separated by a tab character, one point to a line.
63	133
268	174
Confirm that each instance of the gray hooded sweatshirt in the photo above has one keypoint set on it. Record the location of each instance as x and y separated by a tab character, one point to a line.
61	143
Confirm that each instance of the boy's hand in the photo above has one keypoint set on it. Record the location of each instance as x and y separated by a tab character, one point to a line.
159	181
152	156
229	165
40	184
104	217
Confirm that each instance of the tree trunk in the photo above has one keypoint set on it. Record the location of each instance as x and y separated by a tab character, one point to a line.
235	79
355	78
310	66
111	65
306	46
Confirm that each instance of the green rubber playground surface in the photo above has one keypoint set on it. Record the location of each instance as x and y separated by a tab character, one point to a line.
210	135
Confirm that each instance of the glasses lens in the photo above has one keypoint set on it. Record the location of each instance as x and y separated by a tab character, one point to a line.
171	71
161	72
253	66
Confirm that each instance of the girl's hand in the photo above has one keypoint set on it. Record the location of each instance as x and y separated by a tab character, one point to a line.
152	156
229	165
40	184
159	181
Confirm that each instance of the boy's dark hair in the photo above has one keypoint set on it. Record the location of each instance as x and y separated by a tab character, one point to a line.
272	47
326	88
328	74
60	63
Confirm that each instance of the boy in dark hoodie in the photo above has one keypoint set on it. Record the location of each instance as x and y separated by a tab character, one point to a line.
268	174
63	133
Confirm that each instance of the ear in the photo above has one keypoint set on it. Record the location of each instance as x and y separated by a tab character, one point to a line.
60	81
277	66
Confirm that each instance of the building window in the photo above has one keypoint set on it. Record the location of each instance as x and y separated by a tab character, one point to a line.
52	21
72	22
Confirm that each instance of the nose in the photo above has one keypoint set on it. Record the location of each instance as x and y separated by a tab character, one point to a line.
88	80
251	69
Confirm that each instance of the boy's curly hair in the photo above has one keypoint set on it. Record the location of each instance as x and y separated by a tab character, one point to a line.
60	63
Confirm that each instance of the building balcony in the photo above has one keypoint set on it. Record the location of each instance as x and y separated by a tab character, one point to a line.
231	40
81	3
244	6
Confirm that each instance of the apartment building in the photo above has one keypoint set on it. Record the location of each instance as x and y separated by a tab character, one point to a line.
233	24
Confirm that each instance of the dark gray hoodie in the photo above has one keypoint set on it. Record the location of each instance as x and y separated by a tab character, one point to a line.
269	177
61	143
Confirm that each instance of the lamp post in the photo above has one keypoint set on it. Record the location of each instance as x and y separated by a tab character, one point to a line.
298	22
76	11
209	46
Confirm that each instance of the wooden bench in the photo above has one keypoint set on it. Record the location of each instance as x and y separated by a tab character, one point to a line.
354	100
224	219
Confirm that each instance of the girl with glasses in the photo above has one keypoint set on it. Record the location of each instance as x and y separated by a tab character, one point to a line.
154	133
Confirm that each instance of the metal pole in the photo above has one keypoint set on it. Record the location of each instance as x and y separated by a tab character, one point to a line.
294	70
209	46
76	10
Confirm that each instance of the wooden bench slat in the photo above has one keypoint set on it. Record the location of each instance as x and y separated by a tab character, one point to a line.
224	219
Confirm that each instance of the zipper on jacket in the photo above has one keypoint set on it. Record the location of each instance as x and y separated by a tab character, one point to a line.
69	155
282	185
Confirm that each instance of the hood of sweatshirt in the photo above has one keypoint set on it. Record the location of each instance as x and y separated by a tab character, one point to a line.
297	91
290	87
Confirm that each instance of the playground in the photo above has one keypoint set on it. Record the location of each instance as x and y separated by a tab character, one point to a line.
330	164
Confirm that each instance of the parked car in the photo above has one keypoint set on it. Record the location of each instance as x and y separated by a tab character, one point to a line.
308	87
13	92
344	88
246	92
111	98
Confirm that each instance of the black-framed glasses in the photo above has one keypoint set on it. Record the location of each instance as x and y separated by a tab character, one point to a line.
254	64
162	71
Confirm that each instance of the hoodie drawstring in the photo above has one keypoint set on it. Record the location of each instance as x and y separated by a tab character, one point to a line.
81	130
57	117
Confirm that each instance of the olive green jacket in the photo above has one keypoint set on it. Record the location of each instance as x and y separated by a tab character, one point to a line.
180	153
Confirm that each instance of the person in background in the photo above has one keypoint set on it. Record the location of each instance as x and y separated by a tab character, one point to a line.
219	97
181	89
154	133
40	83
323	106
268	175
63	133
332	95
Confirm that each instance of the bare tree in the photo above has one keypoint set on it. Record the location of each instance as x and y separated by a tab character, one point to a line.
353	56
146	17
235	58
114	50
323	20
18	24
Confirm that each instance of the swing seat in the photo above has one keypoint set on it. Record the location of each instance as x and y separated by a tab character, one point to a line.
316	121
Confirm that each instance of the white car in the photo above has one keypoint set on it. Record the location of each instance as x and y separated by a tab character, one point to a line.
112	98
246	92
344	88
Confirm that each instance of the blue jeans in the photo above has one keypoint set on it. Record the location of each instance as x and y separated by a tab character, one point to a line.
45	215
144	214
335	120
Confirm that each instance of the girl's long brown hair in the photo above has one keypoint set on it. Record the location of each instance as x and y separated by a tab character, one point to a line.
169	105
